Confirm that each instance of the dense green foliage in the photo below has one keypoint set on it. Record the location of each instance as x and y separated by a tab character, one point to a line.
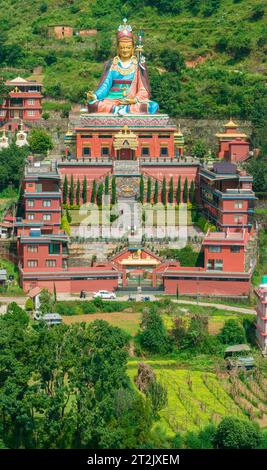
237	433
40	141
186	256
228	78
12	161
67	387
233	333
153	336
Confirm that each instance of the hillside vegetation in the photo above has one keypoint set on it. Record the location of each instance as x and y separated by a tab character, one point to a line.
206	58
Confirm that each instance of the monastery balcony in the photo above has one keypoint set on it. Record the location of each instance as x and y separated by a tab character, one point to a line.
230	193
169	161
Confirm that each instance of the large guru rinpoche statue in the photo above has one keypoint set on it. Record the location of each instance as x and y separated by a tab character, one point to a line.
124	85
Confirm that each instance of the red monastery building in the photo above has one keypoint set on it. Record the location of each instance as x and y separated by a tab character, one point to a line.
24	101
233	144
121	134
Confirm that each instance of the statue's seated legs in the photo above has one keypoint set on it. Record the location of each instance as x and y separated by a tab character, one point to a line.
113	107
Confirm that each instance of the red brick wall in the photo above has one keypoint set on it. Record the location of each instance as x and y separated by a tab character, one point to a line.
72	286
232	262
209	287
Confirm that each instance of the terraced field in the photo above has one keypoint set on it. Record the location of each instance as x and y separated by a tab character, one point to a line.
195	399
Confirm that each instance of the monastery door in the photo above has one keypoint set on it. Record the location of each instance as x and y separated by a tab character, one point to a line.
125	154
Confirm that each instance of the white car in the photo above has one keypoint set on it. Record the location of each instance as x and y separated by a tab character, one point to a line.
104	294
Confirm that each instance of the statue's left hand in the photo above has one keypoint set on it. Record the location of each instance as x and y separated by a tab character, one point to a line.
128	101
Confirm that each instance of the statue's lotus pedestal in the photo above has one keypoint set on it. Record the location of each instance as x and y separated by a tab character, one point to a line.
129	137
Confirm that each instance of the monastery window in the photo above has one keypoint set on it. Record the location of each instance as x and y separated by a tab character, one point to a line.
235	249
86	136
215	249
47	203
145	152
2	112
164	136
218	265
215	264
30	217
86	151
164	151
54	249
31	101
31	112
238	204
105	136
32	249
104	151
30	203
50	263
32	263
239	219
146	136
47	217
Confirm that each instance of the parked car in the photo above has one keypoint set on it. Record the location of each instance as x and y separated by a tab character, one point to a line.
104	294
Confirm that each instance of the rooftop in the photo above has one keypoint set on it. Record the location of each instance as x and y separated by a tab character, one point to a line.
238	348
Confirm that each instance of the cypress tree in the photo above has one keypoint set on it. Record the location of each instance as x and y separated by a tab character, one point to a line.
84	192
156	192
65	190
164	192
192	192
78	192
185	193
178	191
113	190
148	196
100	194
93	195
141	189
106	185
71	191
171	191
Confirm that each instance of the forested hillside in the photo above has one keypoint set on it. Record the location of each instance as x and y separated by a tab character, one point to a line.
206	58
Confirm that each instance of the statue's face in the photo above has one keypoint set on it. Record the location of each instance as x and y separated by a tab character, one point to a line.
125	49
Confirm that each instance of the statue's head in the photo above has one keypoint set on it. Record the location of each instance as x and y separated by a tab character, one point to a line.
125	40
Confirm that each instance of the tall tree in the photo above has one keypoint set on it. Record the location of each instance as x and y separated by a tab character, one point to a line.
192	192
100	194
84	192
141	189
149	184
185	192
164	192
65	190
94	190
40	141
178	191
71	191
171	191
107	185
113	190
78	192
156	192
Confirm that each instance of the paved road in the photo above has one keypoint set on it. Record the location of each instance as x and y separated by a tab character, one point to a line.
4	301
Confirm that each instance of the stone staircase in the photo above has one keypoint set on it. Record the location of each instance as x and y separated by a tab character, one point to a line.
126	168
132	217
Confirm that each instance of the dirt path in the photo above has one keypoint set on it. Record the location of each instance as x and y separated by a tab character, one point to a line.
228	308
